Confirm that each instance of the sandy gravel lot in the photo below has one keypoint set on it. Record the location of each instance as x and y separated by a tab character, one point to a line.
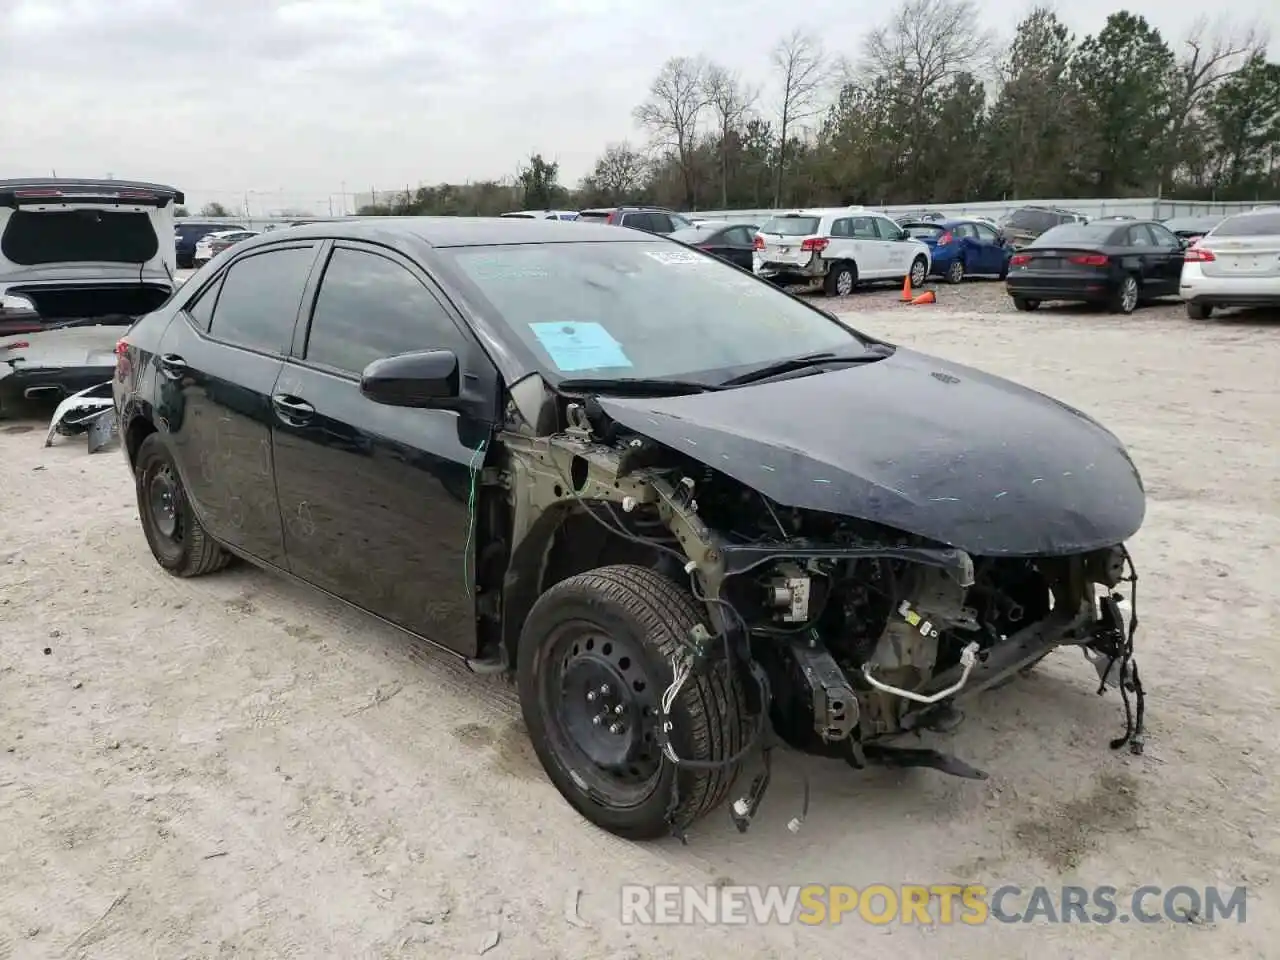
232	767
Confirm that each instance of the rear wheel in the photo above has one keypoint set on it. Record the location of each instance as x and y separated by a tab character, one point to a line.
1125	299
955	272
593	663
919	271
841	279
1199	311
1025	305
176	538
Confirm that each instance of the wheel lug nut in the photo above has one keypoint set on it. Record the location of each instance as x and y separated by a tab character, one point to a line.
591	695
597	720
615	728
604	689
618	708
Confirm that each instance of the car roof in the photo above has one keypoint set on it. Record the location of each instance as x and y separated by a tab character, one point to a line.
456	231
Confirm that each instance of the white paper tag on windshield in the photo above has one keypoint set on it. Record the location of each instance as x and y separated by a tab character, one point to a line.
677	256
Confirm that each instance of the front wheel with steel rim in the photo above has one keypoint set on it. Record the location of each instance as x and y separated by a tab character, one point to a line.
919	270
841	280
174	534
955	272
593	662
1125	299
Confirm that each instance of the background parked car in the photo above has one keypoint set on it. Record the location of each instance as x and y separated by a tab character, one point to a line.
1116	263
1192	228
961	247
542	215
187	233
734	242
648	219
1236	264
838	248
1026	223
212	244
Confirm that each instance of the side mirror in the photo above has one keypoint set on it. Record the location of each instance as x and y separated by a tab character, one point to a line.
425	379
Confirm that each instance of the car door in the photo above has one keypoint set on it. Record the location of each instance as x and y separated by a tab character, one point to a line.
990	247
1151	262
739	242
1173	254
375	499
896	254
866	248
219	361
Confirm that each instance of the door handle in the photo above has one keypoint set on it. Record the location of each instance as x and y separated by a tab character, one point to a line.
173	366
291	409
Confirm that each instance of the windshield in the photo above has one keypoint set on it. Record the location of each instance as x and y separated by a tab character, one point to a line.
642	310
1076	233
791	226
1249	225
78	236
923	231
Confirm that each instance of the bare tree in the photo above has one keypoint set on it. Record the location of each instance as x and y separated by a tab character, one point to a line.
619	172
1212	53
927	42
730	102
802	71
676	102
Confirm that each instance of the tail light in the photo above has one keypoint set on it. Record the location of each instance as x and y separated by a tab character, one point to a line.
945	239
758	243
1198	255
1089	260
16	345
814	244
612	218
1019	259
121	348
122	359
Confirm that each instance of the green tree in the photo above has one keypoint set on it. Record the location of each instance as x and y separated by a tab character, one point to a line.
538	183
1244	117
180	212
214	209
1124	78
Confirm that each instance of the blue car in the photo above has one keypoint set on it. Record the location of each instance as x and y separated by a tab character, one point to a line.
962	247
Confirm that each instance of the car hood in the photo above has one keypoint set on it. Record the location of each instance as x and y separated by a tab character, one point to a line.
919	444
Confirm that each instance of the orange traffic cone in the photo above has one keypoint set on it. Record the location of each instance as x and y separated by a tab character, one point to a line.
926	297
906	289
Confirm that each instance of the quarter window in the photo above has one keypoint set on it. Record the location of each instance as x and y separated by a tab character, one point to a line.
258	305
371	307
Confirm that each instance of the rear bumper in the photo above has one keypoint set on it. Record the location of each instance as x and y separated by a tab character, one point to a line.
49	383
1195	287
814	269
1082	290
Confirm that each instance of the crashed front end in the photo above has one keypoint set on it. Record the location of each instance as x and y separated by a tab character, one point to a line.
854	633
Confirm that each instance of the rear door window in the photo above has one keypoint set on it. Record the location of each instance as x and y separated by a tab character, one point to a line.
201	309
372	307
1140	236
739	236
638	221
258	305
660	223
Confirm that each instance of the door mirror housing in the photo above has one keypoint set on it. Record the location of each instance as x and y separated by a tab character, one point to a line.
424	379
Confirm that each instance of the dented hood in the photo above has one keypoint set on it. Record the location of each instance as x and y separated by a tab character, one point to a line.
919	444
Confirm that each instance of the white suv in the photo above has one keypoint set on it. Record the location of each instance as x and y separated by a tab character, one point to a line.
1236	264
838	248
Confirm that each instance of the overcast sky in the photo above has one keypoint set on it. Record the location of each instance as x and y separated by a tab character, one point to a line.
290	101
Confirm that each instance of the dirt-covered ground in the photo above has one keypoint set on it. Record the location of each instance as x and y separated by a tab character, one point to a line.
233	767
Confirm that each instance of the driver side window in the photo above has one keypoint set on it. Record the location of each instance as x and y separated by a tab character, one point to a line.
371	307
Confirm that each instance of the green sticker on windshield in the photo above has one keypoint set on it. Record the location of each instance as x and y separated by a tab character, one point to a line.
579	346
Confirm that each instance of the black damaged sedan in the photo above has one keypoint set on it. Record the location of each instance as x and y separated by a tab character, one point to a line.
692	515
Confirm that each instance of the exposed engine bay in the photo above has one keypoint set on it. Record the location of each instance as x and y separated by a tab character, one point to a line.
851	633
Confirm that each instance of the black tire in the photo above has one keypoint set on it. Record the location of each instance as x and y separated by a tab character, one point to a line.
919	268
841	279
1025	305
1126	296
638	610
955	272
186	550
1199	311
